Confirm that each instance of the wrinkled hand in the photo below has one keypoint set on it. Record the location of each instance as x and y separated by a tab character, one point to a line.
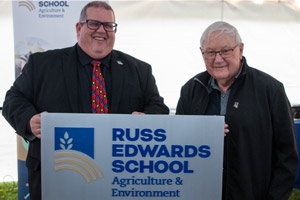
226	130
35	125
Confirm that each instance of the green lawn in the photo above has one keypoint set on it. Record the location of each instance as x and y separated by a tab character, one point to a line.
295	195
9	191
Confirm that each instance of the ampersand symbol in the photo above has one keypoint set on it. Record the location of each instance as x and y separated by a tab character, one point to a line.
178	181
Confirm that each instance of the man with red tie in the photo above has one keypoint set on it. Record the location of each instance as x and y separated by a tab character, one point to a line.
61	81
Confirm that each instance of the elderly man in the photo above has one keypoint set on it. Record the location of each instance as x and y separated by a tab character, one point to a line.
260	157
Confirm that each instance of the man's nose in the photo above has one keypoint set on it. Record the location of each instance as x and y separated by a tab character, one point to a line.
101	28
218	56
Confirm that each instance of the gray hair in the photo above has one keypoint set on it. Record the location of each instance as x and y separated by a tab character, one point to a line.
223	28
96	4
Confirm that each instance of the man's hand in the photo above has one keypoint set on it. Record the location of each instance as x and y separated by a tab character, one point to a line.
226	130
35	125
137	113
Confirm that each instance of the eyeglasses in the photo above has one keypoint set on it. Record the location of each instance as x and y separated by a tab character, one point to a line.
224	53
95	25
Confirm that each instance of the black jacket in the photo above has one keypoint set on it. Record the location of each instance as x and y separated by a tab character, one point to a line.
260	149
49	82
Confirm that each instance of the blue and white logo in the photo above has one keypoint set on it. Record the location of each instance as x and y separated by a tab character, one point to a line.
74	150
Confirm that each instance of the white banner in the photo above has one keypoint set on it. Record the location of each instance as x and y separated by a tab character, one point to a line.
40	26
88	156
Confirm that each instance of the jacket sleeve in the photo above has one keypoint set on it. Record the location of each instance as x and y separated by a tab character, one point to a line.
181	102
285	149
18	107
154	103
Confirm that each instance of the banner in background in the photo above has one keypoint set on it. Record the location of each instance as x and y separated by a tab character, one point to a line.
40	26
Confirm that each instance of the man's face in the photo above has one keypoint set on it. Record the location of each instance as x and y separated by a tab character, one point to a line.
96	43
223	69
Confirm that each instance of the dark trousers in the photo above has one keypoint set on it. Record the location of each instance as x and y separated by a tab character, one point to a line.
35	182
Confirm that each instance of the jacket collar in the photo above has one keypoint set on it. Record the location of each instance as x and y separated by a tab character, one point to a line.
118	69
69	63
69	68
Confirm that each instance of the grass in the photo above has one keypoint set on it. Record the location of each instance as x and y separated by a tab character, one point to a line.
9	191
295	194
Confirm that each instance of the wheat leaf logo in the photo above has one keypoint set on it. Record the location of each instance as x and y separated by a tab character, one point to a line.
66	142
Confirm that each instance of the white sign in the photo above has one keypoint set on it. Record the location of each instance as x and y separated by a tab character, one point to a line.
113	156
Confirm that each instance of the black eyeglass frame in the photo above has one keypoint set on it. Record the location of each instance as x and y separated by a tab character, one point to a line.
106	25
222	52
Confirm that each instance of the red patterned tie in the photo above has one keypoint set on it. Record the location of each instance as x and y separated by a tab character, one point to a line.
99	98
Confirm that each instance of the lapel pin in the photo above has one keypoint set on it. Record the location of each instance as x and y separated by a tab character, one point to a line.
119	62
236	104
